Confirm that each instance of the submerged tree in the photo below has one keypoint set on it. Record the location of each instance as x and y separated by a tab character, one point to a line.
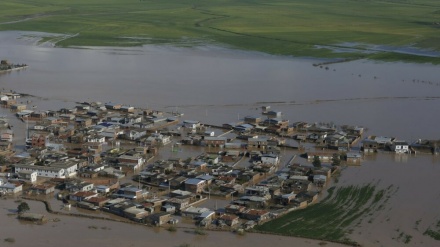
23	207
336	159
316	161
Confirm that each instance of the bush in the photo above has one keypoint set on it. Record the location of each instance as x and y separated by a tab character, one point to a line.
172	229
199	231
10	240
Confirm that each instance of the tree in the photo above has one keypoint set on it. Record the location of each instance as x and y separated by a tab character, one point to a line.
336	160
2	160
23	207
316	161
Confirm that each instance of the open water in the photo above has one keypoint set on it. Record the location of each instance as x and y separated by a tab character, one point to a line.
218	85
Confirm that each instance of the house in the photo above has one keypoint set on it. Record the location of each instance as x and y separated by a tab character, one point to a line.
130	192
179	203
261	191
30	176
78	185
43	189
307	197
215	141
126	108
191	124
234	209
18	107
98	201
207	178
382	141
259	144
198	165
353	158
39	140
194	212
67	117
255	215
7	135
133	134
135	213
273	114
243	127
319	179
95	138
159	218
400	147
82	195
178	182
179	193
195	185
369	146
230	220
270	159
169	208
38	114
55	170
137	161
10	188
325	157
112	106
4	98
287	198
252	119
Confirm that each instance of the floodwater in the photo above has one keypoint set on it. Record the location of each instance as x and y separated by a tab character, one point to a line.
74	232
218	85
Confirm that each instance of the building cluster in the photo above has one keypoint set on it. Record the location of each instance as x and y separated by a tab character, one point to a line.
103	156
5	66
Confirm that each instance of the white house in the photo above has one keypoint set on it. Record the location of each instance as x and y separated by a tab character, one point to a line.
96	138
191	124
400	147
62	169
10	188
270	159
30	176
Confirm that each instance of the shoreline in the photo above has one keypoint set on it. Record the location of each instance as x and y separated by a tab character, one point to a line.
49	210
89	232
14	69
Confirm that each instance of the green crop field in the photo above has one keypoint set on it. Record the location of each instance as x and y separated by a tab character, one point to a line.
335	217
318	28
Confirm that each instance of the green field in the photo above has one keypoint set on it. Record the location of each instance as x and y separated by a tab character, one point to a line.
285	27
333	218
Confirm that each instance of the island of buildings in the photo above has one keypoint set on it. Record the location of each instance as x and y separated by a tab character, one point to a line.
105	157
6	66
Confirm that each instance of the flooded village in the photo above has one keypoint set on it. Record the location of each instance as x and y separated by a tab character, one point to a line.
212	163
160	169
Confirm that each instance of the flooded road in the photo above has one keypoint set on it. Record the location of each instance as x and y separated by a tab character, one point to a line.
217	85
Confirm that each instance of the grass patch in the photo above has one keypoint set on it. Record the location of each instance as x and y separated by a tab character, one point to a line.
341	28
433	232
331	219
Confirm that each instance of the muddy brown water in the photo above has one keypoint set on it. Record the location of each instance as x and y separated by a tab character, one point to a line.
73	232
218	85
